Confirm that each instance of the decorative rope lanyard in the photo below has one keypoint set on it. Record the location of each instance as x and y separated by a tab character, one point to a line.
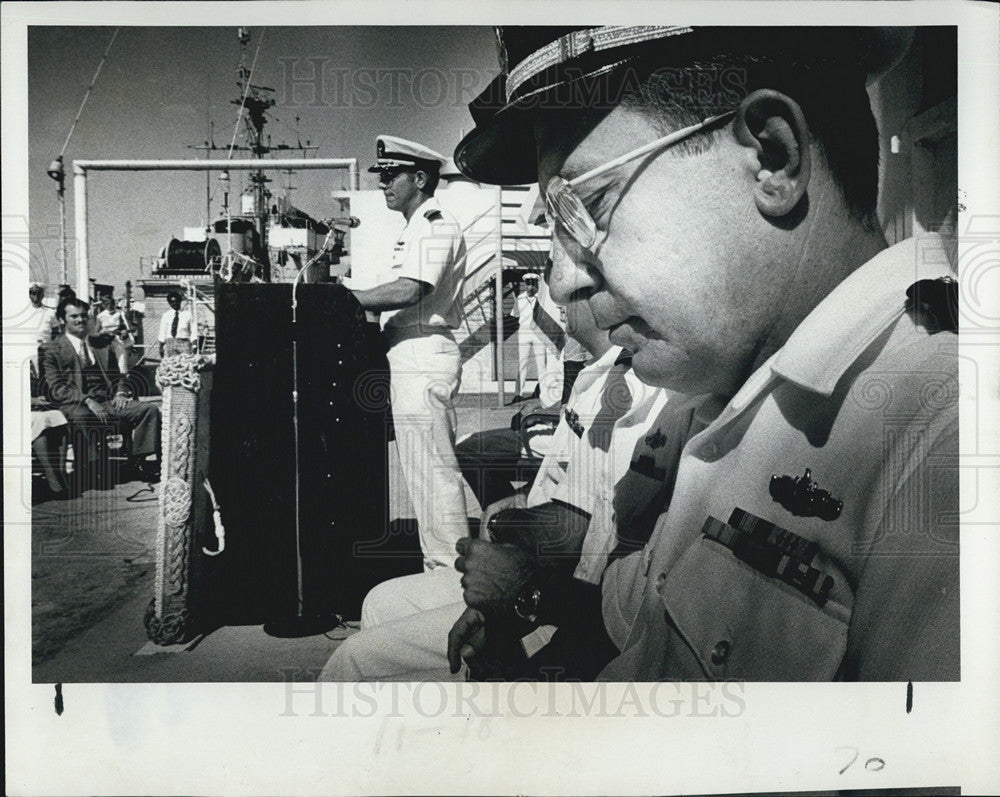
177	371
182	370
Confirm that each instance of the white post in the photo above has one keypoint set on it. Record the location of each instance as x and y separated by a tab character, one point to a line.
80	228
193	298
498	298
63	257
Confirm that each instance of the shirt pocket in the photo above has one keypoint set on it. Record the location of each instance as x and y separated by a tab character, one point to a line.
738	624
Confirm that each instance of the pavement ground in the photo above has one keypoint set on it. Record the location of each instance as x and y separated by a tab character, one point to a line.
93	570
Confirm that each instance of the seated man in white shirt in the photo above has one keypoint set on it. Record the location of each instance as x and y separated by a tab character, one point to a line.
405	622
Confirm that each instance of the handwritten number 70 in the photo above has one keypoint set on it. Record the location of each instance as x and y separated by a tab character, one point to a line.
873	764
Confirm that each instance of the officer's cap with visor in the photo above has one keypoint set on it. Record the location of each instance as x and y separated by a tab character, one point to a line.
553	68
392	153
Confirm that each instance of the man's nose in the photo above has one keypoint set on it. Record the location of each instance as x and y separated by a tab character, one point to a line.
572	271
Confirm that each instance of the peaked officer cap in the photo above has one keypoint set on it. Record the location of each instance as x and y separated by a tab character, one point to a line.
391	151
564	68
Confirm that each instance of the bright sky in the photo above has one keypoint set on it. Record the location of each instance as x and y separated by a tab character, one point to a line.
160	87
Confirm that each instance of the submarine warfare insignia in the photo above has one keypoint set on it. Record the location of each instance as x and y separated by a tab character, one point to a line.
936	299
803	498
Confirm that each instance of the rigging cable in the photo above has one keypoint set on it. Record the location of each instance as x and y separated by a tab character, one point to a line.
87	95
236	131
246	91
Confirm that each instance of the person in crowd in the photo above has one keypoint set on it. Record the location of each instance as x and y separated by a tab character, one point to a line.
111	322
54	323
41	320
728	240
176	327
419	307
566	514
494	458
533	341
84	383
49	439
574	357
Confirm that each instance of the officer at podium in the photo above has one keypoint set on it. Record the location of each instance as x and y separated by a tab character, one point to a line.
419	307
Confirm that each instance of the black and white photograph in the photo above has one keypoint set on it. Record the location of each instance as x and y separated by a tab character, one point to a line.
428	398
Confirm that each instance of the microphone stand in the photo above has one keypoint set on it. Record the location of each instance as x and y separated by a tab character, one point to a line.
300	625
308	625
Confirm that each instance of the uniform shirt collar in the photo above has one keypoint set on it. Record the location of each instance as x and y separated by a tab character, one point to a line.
856	312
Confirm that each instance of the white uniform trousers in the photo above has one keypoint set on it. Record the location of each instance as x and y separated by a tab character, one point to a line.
404	631
532	343
425	371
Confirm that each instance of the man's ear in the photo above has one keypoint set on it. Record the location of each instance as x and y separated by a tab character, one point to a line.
420	178
774	126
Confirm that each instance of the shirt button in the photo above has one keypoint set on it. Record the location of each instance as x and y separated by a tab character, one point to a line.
720	652
661	580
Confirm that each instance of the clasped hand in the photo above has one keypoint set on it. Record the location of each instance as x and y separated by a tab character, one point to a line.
493	574
119	402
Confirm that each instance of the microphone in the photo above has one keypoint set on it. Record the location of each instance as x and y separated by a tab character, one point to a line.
347	221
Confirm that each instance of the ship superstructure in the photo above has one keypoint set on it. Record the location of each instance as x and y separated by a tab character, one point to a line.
257	236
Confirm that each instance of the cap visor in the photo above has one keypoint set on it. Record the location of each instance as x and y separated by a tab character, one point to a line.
502	151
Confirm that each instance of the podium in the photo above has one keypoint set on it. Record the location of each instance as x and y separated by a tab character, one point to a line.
299	551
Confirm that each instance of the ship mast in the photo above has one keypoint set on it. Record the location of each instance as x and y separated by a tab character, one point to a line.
254	102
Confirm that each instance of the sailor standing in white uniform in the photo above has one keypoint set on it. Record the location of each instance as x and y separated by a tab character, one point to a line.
419	308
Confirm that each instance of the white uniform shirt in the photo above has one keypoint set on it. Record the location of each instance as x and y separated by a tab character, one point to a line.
864	397
580	407
524	311
431	249
43	319
183	325
595	471
110	321
587	462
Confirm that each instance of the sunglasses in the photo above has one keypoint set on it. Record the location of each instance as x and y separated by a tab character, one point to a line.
388	175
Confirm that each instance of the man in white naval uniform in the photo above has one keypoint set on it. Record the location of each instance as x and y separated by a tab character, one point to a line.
730	241
419	308
532	342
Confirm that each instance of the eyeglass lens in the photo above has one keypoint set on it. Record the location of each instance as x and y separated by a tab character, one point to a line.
566	208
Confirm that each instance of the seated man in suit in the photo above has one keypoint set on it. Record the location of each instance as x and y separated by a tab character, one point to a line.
83	381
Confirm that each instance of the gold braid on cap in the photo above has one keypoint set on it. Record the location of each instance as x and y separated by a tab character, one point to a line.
580	42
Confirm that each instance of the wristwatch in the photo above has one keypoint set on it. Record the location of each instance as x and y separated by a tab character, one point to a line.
526	603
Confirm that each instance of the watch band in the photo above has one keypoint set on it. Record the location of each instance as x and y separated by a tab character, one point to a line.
526	603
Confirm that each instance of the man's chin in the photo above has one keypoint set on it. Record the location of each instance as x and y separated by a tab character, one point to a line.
651	369
658	369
